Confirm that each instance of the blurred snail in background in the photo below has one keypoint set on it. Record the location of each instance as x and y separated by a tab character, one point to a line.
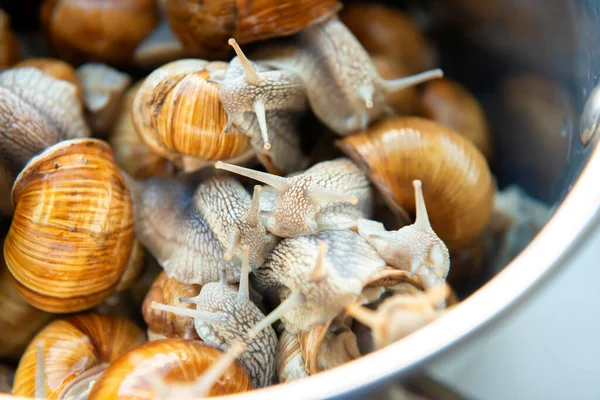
265	104
131	152
20	321
72	231
452	105
103	90
414	248
457	182
205	27
102	30
316	276
198	229
7	375
10	49
225	314
163	324
171	369
343	87
73	352
387	32
56	68
329	195
178	115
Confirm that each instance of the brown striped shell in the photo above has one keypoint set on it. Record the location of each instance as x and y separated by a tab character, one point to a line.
72	231
74	351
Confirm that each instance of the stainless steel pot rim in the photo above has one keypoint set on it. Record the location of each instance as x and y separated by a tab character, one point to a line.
562	235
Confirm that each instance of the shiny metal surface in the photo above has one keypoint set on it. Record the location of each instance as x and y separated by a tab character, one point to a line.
535	64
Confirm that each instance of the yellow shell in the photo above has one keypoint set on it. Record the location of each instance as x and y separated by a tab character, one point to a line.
72	231
175	360
72	347
178	114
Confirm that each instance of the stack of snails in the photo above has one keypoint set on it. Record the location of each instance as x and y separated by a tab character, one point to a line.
298	191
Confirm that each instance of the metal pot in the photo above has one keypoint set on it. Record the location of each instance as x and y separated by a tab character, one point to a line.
485	44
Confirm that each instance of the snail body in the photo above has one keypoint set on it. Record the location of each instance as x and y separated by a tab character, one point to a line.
343	87
223	316
329	195
204	27
76	258
57	69
315	276
74	351
178	114
197	230
399	150
415	248
265	104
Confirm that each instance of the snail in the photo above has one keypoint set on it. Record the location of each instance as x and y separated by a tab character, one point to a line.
72	353
40	111
133	269
316	276
20	321
171	369
103	90
321	348
415	248
204	27
131	153
265	104
56	68
72	232
225	314
387	32
103	30
197	230
329	195
343	87
178	115
457	180
168	325
452	105
10	49
400	315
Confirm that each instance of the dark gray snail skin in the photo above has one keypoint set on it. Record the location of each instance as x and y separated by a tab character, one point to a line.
196	230
343	87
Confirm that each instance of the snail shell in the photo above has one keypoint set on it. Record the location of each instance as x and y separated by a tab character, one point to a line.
178	114
20	320
131	153
75	351
72	231
10	50
171	360
205	26
290	363
457	182
168	325
452	105
102	30
386	31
